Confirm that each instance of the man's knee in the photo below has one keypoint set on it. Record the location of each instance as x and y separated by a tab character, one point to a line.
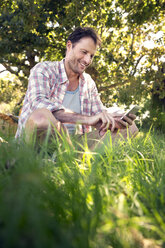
133	129
131	132
39	119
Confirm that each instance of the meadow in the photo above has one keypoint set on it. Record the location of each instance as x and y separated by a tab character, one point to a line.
57	196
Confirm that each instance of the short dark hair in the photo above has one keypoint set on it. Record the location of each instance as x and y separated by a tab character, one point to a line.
80	33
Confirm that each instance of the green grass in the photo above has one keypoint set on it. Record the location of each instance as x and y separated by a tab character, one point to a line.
57	197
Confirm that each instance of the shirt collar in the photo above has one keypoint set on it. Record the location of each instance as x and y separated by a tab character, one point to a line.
62	73
63	76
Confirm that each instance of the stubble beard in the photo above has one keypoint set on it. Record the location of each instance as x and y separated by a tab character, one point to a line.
74	66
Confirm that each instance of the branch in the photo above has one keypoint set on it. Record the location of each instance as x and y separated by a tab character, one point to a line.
31	58
132	43
134	71
8	68
2	71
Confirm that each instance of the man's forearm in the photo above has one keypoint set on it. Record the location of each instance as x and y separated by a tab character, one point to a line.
70	117
103	118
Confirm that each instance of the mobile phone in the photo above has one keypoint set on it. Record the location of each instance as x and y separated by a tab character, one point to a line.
133	110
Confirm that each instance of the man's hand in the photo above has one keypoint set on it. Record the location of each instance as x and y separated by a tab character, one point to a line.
102	121
125	122
119	124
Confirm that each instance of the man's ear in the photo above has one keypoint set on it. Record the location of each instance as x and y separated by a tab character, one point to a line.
69	45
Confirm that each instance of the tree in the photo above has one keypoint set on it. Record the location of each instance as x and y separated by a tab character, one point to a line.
124	69
25	33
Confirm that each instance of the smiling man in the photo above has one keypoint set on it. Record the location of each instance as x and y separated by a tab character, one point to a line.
60	94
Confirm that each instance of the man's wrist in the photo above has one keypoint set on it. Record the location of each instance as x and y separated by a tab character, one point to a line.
89	120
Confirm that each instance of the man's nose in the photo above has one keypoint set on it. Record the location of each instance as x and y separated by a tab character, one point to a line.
87	58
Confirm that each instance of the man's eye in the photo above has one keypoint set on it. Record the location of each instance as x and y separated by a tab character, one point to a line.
84	52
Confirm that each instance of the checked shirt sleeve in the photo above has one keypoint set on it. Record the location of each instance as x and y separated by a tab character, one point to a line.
40	89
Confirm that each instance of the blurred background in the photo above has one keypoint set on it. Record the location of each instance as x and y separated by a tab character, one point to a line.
128	69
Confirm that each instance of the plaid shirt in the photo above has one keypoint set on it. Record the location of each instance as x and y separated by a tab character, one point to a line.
46	89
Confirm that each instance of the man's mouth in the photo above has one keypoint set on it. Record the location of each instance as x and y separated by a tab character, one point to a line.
83	65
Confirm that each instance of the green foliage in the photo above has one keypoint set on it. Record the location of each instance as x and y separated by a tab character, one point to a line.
73	199
25	32
125	70
11	92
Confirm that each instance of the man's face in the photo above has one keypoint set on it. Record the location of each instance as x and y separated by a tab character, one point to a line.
80	55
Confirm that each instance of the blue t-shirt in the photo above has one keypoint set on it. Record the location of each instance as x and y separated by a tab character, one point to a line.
72	102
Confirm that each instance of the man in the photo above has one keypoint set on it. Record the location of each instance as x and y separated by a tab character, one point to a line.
62	95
